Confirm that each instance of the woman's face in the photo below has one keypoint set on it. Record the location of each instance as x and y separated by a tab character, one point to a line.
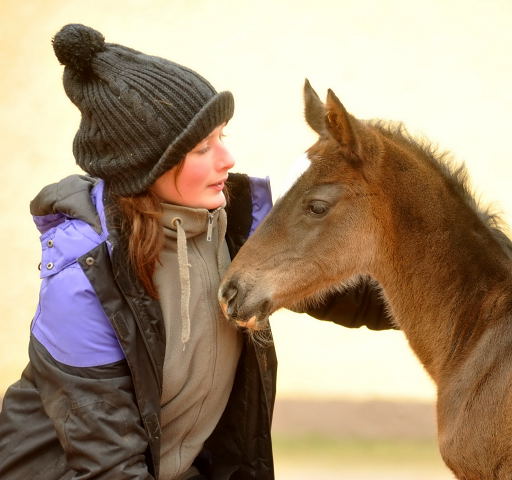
200	182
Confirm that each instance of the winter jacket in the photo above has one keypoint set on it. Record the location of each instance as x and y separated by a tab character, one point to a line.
88	403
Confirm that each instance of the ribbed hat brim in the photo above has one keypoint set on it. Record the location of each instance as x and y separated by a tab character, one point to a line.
218	110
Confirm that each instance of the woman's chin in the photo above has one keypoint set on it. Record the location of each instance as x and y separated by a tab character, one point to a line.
211	203
217	201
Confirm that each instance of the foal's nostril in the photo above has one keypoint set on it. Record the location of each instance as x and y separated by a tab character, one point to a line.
226	294
230	292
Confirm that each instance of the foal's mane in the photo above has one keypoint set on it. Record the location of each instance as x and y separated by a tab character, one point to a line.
455	174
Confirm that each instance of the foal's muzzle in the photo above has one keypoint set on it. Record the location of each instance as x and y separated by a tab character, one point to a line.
242	305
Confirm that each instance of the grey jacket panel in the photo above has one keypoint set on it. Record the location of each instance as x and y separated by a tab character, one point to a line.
26	432
84	430
94	416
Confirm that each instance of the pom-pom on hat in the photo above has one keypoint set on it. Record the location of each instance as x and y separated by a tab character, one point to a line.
140	114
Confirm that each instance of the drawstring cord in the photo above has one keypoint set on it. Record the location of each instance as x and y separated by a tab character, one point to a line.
183	267
222	227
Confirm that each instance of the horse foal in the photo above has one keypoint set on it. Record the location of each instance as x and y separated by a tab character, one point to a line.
376	204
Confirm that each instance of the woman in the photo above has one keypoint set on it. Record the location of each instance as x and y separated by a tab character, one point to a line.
133	372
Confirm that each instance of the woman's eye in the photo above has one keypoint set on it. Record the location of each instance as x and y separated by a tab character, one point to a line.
202	149
317	207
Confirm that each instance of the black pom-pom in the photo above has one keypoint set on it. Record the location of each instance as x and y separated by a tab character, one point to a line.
75	46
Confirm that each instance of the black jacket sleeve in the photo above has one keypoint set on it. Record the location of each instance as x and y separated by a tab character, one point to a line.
360	305
95	416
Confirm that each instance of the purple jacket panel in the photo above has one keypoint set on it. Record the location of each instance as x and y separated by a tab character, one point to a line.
70	321
45	222
261	200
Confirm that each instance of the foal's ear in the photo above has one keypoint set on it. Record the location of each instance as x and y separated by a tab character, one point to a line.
314	109
339	122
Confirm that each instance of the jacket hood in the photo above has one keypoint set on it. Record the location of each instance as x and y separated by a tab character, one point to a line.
69	198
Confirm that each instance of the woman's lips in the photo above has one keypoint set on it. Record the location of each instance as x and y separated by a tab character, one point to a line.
218	186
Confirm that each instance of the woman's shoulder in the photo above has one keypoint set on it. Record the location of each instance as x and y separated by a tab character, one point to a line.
70	321
70	216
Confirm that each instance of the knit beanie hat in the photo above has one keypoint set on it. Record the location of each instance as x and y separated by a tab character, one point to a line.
140	114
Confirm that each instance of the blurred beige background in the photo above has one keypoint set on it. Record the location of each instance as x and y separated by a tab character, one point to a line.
443	67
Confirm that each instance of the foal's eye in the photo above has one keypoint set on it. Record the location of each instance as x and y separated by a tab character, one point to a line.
317	207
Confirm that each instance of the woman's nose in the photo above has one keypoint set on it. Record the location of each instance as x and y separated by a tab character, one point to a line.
226	160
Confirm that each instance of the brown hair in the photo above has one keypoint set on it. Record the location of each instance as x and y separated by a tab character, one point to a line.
140	220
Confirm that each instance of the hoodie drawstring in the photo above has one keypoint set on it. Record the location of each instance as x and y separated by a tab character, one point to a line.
222	227
183	267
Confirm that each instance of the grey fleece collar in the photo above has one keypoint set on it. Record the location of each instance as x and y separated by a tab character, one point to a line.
181	223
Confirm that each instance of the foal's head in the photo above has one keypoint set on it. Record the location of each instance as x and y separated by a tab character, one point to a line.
321	234
372	203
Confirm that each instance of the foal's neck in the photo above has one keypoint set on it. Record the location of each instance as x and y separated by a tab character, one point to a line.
442	271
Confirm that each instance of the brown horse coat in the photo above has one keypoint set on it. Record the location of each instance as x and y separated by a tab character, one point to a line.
375	203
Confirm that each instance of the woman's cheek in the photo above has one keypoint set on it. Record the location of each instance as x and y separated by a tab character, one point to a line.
196	173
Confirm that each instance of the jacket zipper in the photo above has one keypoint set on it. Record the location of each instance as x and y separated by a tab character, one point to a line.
213	362
209	230
210	227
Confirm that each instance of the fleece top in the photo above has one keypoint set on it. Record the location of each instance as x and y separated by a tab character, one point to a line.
202	348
